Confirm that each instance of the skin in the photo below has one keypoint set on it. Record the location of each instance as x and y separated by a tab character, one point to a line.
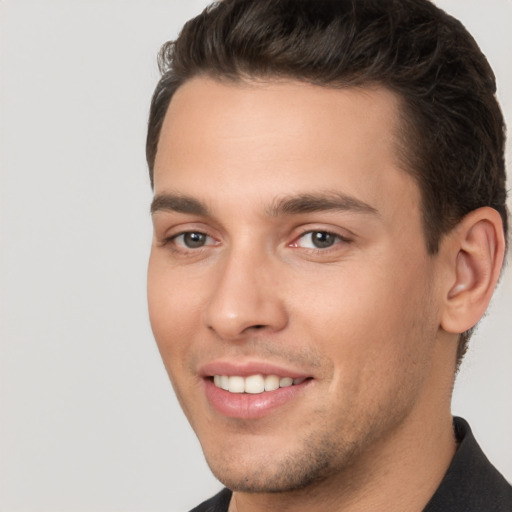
362	317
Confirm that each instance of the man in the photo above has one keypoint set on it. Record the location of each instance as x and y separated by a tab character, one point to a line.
329	226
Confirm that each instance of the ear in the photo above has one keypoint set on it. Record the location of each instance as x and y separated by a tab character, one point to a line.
475	251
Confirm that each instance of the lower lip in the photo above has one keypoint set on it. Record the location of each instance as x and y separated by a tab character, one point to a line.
251	406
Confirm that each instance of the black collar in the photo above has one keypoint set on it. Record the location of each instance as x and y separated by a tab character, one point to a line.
472	483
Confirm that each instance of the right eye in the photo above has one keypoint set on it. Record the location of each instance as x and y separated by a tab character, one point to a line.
193	240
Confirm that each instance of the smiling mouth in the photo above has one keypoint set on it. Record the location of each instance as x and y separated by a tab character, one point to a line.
254	384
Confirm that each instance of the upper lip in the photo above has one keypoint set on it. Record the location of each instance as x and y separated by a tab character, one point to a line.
246	369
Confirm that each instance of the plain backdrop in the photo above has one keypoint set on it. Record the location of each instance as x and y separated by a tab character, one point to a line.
88	420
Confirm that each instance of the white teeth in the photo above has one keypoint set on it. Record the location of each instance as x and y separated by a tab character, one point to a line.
285	382
236	384
271	382
253	384
224	382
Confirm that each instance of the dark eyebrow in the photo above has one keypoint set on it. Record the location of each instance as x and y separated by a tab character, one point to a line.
178	203
307	203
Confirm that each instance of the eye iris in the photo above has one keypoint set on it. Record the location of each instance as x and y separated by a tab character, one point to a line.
194	240
322	239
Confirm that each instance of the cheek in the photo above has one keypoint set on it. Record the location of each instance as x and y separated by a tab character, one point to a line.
173	303
173	312
372	321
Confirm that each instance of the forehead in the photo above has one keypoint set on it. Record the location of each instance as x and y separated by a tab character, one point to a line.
270	135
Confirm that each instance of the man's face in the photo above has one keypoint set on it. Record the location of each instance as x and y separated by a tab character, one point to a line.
288	246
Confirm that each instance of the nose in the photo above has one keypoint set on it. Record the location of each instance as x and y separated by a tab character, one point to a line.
246	297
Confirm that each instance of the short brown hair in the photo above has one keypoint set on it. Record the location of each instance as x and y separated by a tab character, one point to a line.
452	131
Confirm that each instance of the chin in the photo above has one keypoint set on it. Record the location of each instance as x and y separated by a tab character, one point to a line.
272	472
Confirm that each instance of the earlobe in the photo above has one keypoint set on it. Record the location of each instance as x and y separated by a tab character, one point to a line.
476	250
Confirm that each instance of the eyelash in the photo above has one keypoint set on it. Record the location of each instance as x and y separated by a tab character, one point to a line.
337	239
181	248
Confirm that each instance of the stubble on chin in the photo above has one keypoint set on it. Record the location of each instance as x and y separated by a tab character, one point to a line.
317	459
325	456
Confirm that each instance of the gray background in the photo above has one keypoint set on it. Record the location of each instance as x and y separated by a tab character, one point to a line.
88	420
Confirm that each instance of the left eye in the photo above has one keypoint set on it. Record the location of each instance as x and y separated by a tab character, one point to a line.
193	240
317	240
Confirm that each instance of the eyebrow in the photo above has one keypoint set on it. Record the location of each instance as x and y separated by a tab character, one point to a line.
178	203
288	205
308	203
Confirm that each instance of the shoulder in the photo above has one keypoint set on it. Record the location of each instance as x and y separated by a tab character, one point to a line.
218	503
